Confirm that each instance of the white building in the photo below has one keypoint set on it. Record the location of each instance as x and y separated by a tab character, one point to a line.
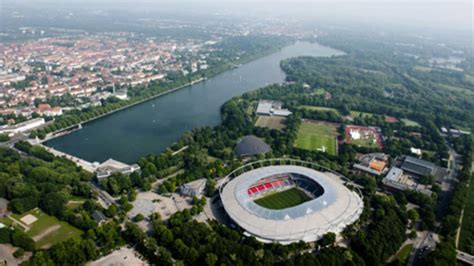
355	134
111	166
266	107
22	127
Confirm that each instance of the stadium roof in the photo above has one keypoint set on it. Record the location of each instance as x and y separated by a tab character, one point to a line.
336	208
251	145
418	166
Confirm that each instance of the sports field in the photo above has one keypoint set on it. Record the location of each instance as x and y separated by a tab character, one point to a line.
284	199
273	122
317	137
46	230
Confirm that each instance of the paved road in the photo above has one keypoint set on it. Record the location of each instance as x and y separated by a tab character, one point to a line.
464	257
6	252
426	242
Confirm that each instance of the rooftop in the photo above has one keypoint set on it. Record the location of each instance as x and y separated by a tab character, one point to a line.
418	166
331	212
251	145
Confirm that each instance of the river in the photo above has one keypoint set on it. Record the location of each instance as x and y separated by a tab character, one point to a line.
154	125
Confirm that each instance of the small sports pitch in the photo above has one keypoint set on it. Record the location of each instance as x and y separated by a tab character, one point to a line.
44	229
272	122
317	136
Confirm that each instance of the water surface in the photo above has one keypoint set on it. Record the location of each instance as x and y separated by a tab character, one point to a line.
154	125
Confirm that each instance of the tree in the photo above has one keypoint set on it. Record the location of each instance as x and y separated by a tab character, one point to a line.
328	239
138	218
413	215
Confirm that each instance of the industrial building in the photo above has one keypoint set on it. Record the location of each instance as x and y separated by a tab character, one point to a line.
266	107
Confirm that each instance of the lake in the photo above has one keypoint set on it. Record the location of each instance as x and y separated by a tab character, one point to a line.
154	125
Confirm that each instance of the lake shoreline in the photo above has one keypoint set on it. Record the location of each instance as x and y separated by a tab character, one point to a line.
151	127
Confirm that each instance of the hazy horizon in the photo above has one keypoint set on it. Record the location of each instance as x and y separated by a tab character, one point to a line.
421	14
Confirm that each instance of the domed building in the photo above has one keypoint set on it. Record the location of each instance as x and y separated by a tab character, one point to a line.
251	146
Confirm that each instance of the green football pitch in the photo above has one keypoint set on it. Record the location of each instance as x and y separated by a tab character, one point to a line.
317	136
284	199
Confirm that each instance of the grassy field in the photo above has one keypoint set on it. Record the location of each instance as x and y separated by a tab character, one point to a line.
455	88
469	78
6	221
466	239
320	108
404	253
410	123
74	204
363	114
273	122
423	68
48	230
319	92
317	136
283	200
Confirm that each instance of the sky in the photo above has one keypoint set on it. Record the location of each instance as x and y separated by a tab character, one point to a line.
440	14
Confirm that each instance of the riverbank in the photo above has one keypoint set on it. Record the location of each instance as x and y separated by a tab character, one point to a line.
150	128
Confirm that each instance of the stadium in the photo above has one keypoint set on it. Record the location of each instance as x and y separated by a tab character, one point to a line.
287	201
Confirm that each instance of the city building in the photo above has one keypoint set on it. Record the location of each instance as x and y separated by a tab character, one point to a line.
373	163
397	180
194	188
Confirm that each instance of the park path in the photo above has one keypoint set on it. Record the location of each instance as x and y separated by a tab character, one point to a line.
458	233
46	232
15	221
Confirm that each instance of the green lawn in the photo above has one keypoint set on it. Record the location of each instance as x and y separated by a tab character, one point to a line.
404	253
466	237
423	68
283	200
469	78
320	108
363	114
6	221
410	123
45	222
317	136
74	204
319	92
